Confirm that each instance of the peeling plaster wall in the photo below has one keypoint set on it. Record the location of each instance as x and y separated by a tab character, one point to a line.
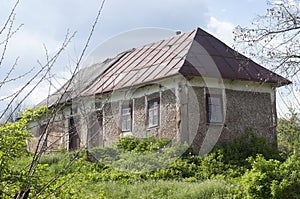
56	134
33	142
167	126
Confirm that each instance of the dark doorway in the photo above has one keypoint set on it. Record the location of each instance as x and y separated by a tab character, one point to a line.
74	140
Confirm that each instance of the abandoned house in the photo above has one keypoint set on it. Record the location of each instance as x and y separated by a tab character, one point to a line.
190	88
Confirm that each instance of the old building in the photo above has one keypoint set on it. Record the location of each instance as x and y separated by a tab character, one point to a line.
191	88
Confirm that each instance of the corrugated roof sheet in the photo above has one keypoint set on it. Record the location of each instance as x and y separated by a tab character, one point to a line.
195	53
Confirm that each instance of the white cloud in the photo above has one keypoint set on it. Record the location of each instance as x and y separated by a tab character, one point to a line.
46	22
39	93
223	30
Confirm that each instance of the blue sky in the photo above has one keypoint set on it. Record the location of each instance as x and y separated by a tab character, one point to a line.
46	22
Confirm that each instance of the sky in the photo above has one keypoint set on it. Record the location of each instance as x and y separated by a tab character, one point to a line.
45	24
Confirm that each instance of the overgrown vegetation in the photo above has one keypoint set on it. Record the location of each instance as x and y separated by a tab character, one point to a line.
288	132
13	138
247	167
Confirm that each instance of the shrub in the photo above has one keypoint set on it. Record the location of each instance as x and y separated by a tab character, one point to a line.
212	165
270	179
288	132
106	154
249	144
128	143
51	158
165	189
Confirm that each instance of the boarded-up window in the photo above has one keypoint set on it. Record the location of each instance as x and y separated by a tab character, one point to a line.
153	113
214	109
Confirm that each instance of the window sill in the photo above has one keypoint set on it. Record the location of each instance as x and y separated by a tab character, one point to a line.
152	127
126	133
215	123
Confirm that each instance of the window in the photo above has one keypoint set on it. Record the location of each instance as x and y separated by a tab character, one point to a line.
214	109
153	113
126	118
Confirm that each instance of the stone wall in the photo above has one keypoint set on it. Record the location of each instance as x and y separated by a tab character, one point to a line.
167	127
56	135
139	127
248	110
243	110
168	120
56	138
111	123
196	116
182	108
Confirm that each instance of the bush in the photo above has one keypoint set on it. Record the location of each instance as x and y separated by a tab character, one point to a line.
128	143
249	144
154	165
106	154
270	179
288	132
51	158
164	189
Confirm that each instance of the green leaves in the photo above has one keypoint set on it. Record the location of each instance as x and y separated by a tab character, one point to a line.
129	143
288	131
271	178
13	145
252	167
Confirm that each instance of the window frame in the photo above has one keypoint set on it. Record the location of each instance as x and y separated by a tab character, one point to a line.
153	110
210	119
126	115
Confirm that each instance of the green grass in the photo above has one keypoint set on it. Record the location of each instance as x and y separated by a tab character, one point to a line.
157	189
141	172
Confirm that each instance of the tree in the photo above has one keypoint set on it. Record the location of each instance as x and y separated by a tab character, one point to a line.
13	135
274	37
13	138
288	131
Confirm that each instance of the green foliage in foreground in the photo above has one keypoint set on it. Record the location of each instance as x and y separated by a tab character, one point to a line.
247	167
158	189
13	138
288	132
271	178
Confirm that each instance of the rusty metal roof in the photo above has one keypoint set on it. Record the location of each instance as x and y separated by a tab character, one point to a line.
209	57
81	80
194	53
145	64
